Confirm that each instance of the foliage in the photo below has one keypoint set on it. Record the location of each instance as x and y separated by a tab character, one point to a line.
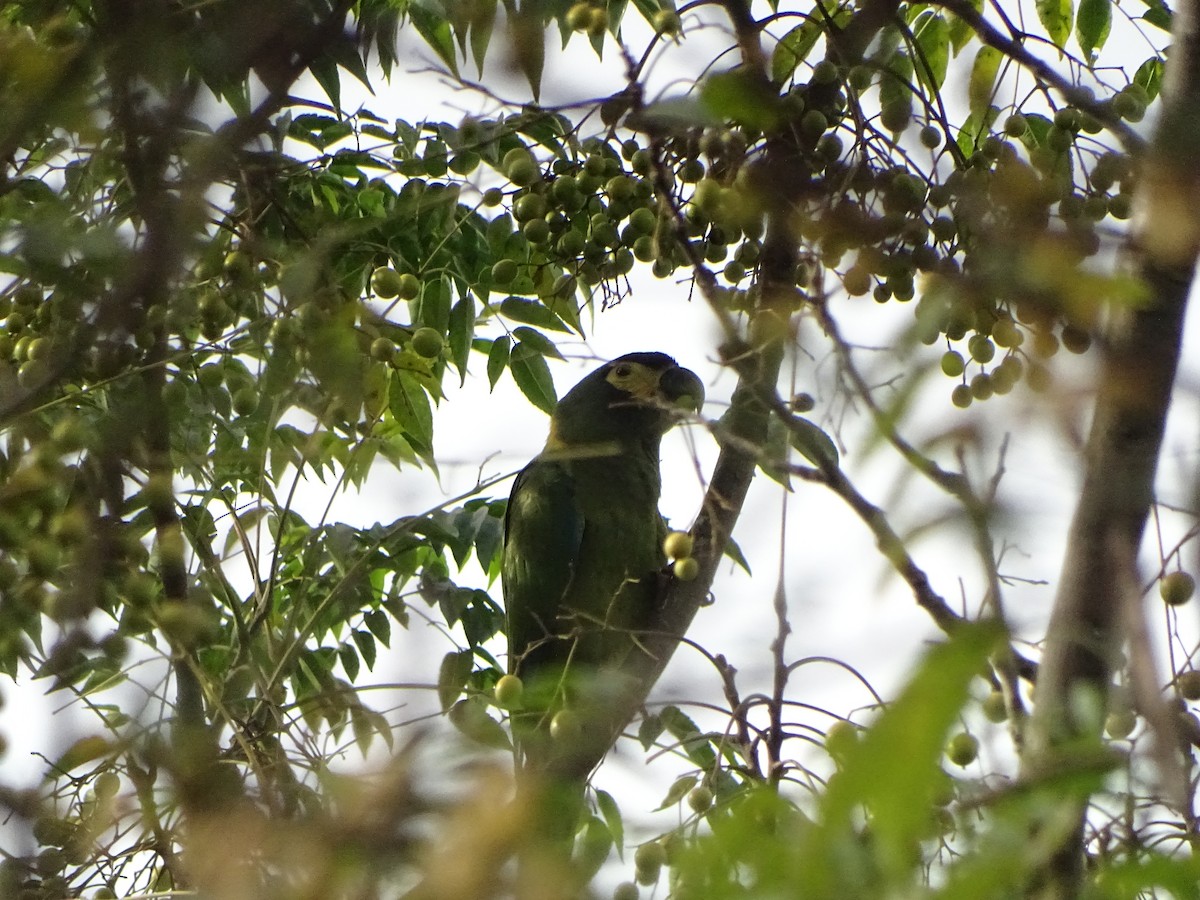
217	294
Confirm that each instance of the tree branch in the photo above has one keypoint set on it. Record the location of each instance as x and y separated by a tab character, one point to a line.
1141	355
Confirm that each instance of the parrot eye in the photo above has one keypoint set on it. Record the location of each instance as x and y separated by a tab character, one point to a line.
623	371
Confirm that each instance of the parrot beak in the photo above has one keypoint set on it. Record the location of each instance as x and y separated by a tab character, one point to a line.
682	389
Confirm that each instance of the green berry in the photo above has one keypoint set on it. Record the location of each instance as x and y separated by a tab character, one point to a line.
994	707
427	342
385	282
504	271
678	545
1188	684
409	287
981	348
529	206
700	799
1176	588
813	123
579	16
650	856
566	726
953	363
666	22
981	386
508	691
963	749
1120	724
825	72
383	349
245	401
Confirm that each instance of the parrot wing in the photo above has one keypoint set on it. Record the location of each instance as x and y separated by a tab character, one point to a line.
543	532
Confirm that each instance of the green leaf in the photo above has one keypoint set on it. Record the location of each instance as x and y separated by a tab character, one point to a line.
734	552
649	730
793	49
349	659
894	769
462	330
1149	76
531	312
932	33
742	97
982	86
497	362
527	34
1159	15
1055	16
452	676
483	21
410	407
471	718
380	625
432	308
678	791
694	742
1093	21
435	29
532	376
673	115
961	33
812	443
488	541
612	817
325	71
83	751
365	642
537	341
592	848
1037	127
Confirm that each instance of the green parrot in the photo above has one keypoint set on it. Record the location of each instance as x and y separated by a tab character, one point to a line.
583	558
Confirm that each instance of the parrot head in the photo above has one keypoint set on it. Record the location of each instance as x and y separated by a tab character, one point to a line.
634	398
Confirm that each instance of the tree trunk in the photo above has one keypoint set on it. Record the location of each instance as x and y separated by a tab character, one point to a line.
1140	356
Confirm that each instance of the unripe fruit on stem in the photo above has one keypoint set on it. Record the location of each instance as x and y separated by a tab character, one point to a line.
383	349
385	282
245	401
579	16
410	287
994	707
678	545
504	271
953	363
1120	724
700	799
566	726
508	692
1188	684
1176	588
686	569
840	737
666	22
651	856
963	749
427	342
